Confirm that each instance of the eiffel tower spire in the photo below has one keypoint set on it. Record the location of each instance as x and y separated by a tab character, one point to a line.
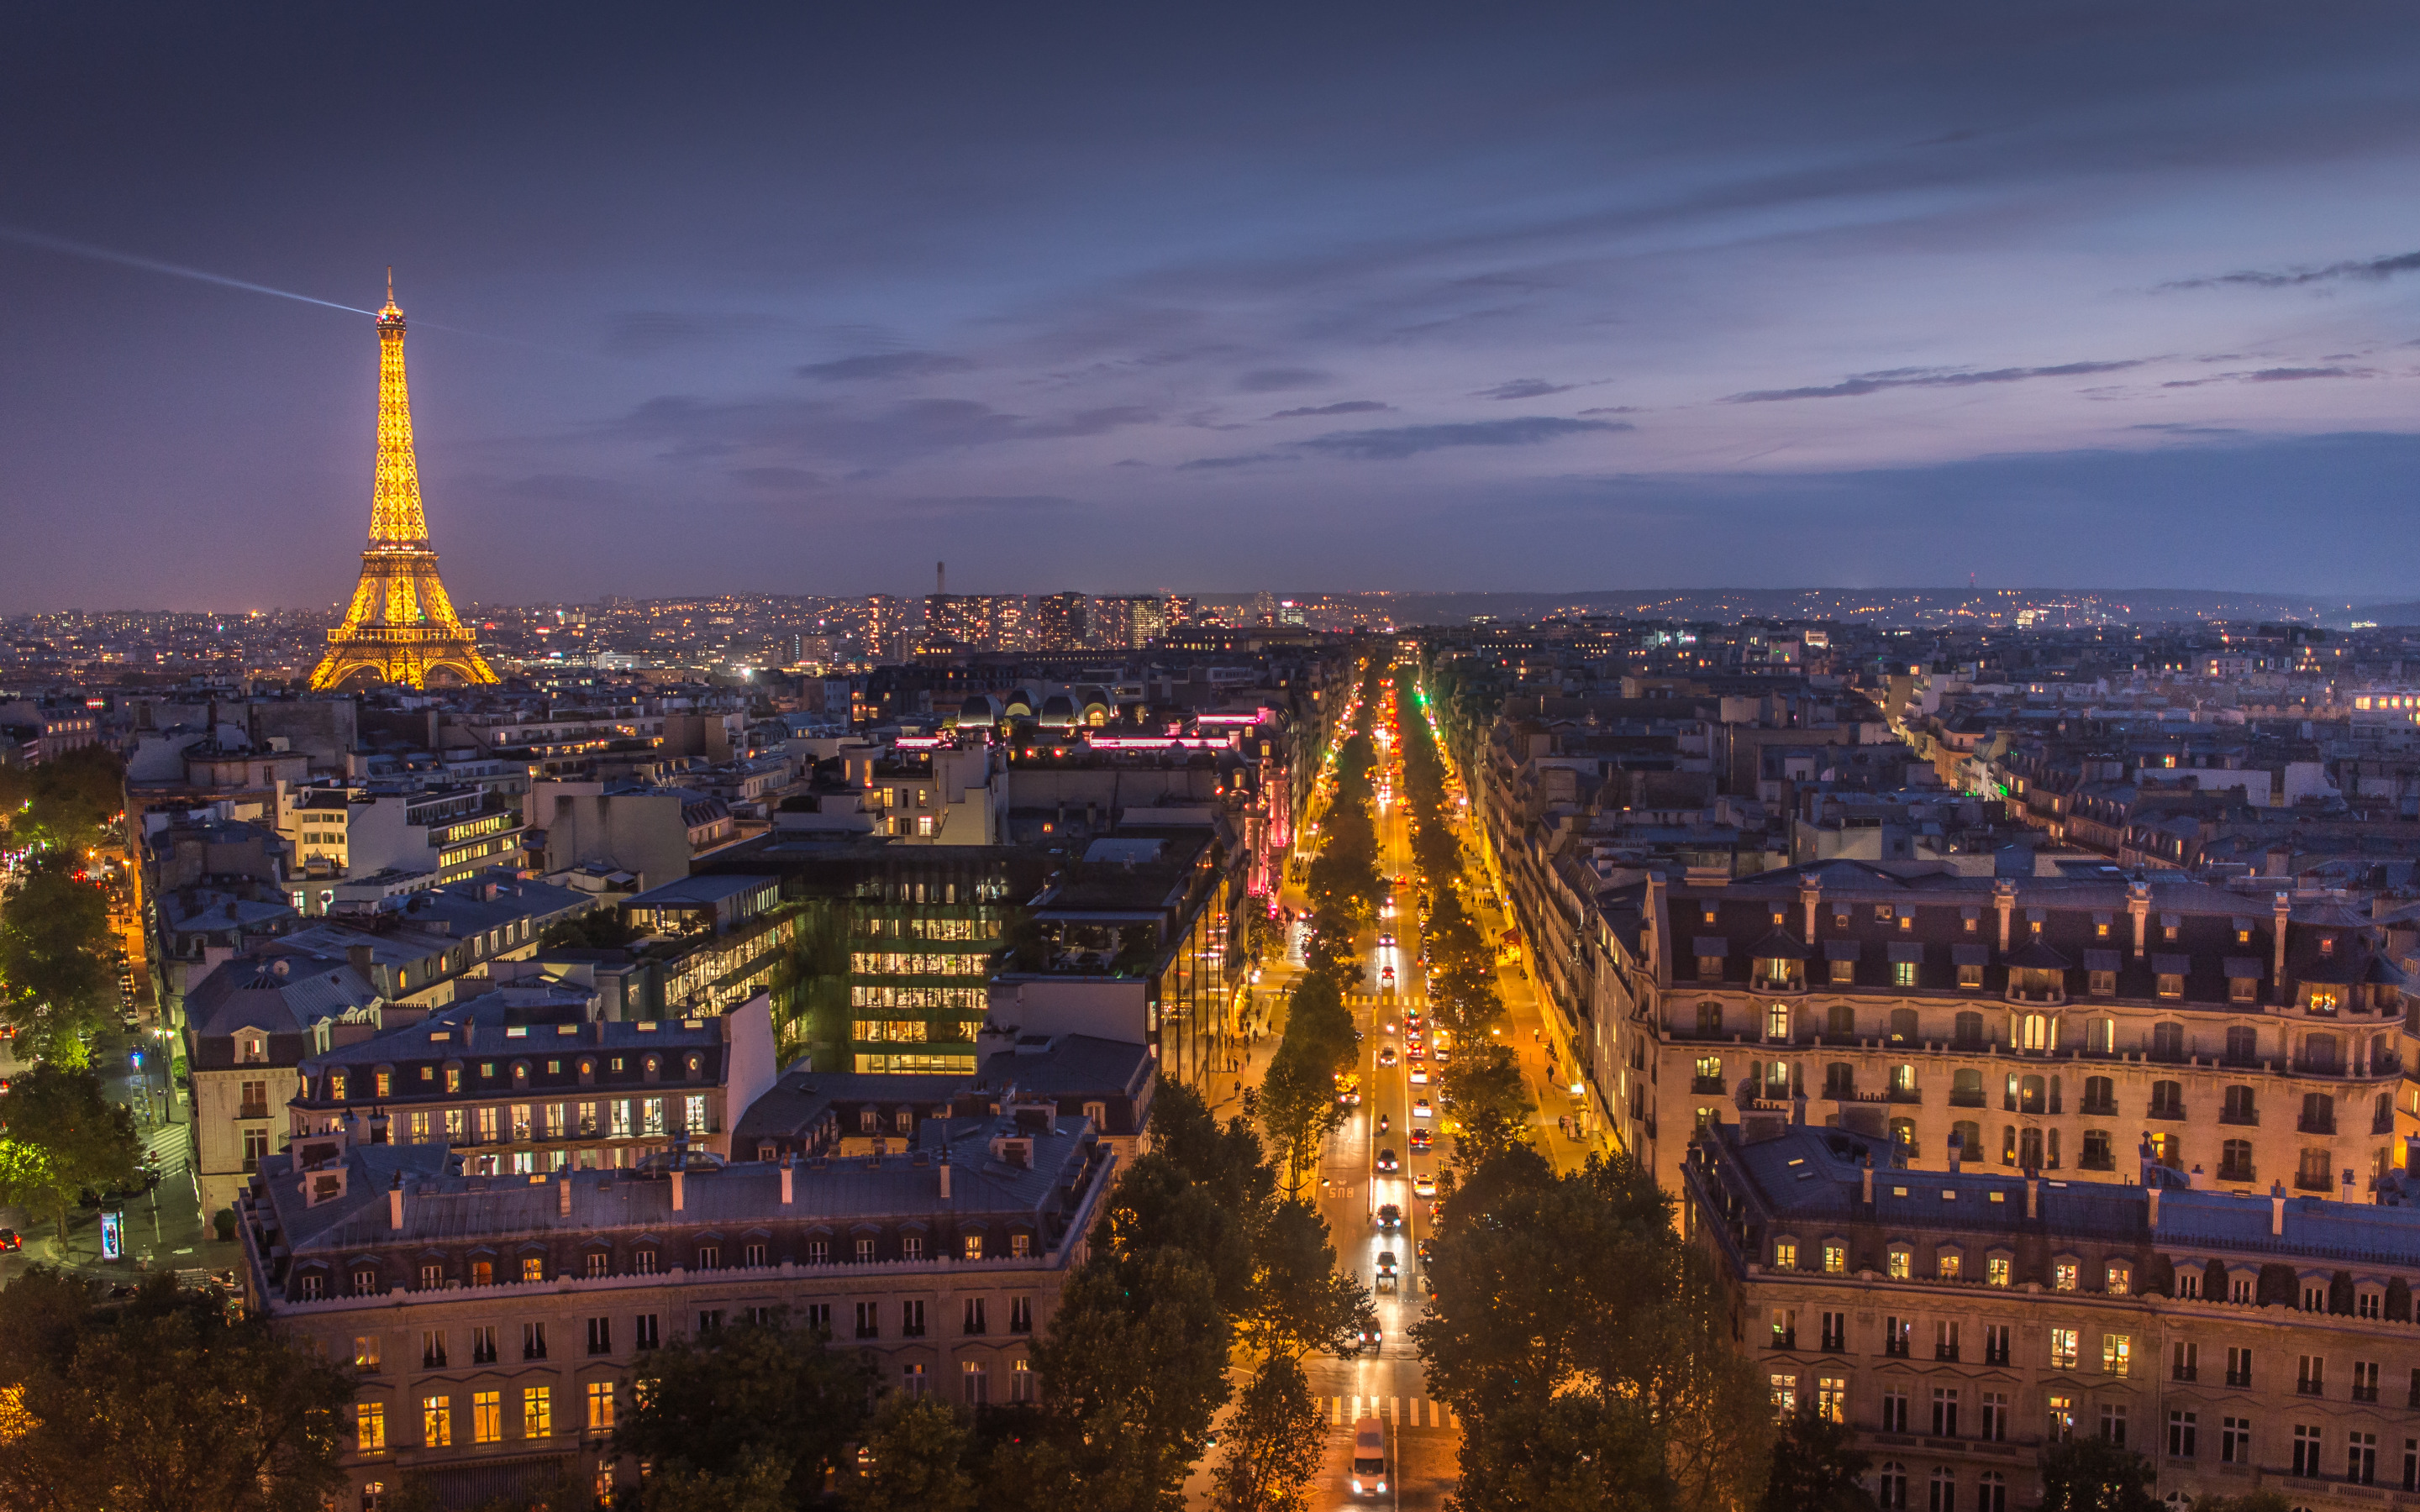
400	626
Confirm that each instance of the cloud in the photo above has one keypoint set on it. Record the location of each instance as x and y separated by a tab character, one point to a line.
653	332
2273	374
2177	428
1523	389
1273	380
1925	377
1206	464
978	505
1342	407
569	488
1613	410
1408	440
813	430
2371	271
776	477
883	367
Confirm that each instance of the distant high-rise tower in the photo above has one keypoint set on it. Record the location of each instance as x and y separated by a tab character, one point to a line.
401	626
1060	621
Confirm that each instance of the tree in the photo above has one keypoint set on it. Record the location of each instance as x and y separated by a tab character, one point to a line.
54	981
1300	1303
913	1458
2096	1475
160	1405
1565	1303
760	1483
67	802
599	929
727	1403
1817	1467
1491	1101
1133	1369
63	1134
1571	1452
1273	1444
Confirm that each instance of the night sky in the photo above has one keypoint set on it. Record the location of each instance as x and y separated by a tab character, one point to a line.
1212	297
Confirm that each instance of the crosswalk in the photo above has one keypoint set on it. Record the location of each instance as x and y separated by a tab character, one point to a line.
1345	1410
168	1145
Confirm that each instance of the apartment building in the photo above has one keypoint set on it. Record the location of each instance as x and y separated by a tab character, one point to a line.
1961	1321
2027	1024
526	1078
497	1320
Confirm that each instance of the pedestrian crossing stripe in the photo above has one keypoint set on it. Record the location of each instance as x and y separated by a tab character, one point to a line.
1402	1413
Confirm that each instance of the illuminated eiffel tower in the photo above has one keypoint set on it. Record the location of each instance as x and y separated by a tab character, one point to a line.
401	626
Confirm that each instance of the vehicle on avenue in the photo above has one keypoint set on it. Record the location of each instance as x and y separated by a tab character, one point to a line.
1420	1108
1419	1074
1424	1185
8	1240
1423	1139
1386	942
1386	1056
1387	1160
1390	1217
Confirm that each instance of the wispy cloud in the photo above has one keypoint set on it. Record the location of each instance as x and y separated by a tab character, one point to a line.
2367	271
653	332
883	367
1342	407
1276	379
1523	389
1409	441
2273	374
1927	378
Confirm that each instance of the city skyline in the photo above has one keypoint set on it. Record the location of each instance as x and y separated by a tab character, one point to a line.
1753	298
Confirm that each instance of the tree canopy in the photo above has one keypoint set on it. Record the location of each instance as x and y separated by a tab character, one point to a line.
160	1404
62	1134
750	1409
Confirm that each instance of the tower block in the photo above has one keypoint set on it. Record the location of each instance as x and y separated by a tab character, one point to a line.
400	627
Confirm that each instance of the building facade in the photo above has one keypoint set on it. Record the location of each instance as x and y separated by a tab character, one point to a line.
1959	1322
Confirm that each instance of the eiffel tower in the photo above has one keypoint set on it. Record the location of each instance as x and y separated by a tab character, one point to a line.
401	626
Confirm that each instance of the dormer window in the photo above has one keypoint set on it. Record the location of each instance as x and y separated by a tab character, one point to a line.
2327	945
336	1086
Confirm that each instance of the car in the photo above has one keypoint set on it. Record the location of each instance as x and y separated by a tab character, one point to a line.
1419	1074
1387	1057
1386	1262
1390	1027
1349	1098
1421	1250
1368	1339
1442	1055
1423	1139
1424	1185
9	1241
1390	1217
1387	1160
1420	1108
1386	942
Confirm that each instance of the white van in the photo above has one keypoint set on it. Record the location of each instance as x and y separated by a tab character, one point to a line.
1369	1457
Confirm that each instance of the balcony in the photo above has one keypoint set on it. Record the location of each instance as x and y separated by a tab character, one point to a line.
2246	1117
1706	1085
2184	1372
252	1110
2317	1123
1965	1099
2105	1108
2173	1112
1785	1338
2242	1379
2307	1181
2090	1162
2235	1171
1906	1094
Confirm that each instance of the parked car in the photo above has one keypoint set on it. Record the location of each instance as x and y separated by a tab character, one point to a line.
9	1241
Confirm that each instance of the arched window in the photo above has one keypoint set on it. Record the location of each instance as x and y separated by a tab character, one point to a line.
1970	1028
1903	1134
1842	1022
1903	1077
2033	1032
1890	1489
2243	1045
1944	1496
1966	1088
2167	1100
1710	1018
1992	1495
1970	1139
2030	1097
1902	1026
1777	1079
1840	1080
2099	1095
1776	1023
2029	1150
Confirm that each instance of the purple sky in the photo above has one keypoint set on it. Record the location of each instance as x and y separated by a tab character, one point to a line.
1213	298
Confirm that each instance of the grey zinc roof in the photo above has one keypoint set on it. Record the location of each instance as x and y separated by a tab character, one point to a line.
249	993
1074	1063
440	1206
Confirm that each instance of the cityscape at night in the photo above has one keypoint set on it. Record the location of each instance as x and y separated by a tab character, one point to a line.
907	760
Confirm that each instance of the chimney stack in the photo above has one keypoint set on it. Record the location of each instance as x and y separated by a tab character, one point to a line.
788	1173
2154	1193
940	576
395	1203
562	1195
1865	1183
945	1175
2276	1207
2032	1196
678	1195
1957	1151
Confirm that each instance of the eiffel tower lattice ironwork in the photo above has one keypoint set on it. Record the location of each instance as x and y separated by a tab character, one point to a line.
400	627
